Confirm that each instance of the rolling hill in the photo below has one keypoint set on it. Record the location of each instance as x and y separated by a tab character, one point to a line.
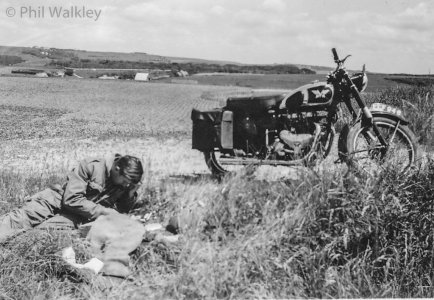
41	56
124	65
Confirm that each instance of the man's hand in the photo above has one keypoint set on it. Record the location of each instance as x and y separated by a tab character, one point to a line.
109	211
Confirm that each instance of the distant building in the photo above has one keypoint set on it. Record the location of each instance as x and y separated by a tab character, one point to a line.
59	74
108	77
182	73
69	71
41	74
142	77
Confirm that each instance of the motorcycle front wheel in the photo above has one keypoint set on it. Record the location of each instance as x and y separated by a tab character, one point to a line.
365	152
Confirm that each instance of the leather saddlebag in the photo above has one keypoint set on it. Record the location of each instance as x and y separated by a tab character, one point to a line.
206	129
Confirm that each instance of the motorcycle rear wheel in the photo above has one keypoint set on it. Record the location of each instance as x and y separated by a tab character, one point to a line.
212	159
367	155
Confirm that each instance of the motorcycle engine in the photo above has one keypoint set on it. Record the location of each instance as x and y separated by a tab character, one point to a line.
297	136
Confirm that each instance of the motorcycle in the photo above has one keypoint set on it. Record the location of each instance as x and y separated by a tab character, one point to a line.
298	128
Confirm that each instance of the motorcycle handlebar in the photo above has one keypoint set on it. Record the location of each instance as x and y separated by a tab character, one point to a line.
335	55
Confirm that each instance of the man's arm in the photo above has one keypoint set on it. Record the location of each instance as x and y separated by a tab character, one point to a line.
74	198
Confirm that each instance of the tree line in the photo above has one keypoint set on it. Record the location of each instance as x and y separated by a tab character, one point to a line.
191	68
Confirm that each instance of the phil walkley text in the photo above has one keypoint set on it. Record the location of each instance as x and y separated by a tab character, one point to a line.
59	12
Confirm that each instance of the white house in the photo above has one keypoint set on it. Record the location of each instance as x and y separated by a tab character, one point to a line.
142	76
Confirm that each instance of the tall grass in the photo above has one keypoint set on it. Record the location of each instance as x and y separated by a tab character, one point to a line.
418	106
324	235
32	268
321	235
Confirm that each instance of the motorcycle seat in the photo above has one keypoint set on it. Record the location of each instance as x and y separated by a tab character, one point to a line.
254	104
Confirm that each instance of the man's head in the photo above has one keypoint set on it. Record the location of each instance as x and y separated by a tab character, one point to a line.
127	171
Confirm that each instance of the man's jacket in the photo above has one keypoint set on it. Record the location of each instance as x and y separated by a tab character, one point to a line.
89	191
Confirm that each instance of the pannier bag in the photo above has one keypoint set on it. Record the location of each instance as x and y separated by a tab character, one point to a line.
206	129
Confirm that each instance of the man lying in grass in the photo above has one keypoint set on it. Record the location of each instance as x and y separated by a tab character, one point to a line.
96	187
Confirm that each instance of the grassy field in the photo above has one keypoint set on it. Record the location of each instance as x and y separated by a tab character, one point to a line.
376	83
274	233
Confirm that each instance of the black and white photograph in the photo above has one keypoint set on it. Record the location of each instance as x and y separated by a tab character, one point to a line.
225	149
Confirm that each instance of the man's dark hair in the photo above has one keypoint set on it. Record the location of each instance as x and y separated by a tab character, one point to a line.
130	167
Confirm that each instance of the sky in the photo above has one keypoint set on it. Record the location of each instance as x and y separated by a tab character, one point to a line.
390	36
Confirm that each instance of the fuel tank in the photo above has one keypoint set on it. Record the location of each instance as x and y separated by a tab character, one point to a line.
256	105
309	97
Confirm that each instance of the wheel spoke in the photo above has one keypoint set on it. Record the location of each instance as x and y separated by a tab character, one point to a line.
372	157
394	133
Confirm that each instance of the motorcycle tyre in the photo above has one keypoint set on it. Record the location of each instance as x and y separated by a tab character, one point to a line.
381	122
213	165
218	170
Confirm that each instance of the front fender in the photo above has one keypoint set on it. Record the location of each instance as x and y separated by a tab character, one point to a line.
384	114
